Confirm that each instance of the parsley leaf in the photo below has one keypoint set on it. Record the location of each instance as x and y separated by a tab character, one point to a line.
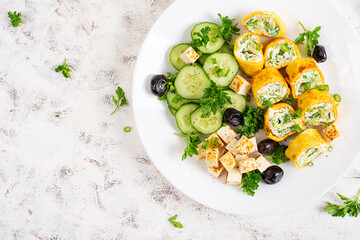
175	223
120	101
170	77
278	156
253	121
227	29
192	141
64	69
203	38
15	18
311	38
351	207
251	182
213	100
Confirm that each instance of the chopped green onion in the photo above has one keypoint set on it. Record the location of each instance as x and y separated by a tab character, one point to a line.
259	46
175	100
227	73
289	100
330	148
205	145
284	48
248	98
213	60
337	97
127	129
323	88
307	86
297	128
297	113
310	164
213	39
57	115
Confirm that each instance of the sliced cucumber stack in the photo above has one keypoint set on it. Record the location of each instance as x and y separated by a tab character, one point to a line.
221	68
206	125
175	55
183	119
238	101
215	42
191	82
174	100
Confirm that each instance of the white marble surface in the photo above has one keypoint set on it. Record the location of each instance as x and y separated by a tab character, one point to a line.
79	175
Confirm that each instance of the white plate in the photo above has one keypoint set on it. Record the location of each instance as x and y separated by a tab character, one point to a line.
156	125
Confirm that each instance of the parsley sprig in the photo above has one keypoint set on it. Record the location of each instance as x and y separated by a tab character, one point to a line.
175	223
278	156
203	38
351	207
213	100
64	69
227	28
253	121
120	101
15	18
250	182
192	141
311	38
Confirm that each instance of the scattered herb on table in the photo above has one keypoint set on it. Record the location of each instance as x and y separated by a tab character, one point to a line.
278	156
175	223
64	69
203	38
15	18
351	207
227	28
311	38
120	101
253	121
250	182
213	100
192	141
127	129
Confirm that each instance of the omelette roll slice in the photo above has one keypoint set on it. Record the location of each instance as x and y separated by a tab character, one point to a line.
279	122
304	74
306	147
248	53
264	23
280	52
269	87
317	108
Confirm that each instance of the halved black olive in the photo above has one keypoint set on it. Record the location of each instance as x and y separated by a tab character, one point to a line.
319	54
157	85
233	117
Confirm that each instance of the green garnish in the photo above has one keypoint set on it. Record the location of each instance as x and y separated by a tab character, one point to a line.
120	101
330	148
170	77
259	46
213	100
250	182
213	60
203	38
248	98
297	113
205	145
323	88
284	47
227	29
266	103
192	141
214	143
175	223
15	18
351	207
297	128
175	100
57	115
163	97
311	38
307	86
289	100
253	121
64	69
127	129
337	97
278	156
310	164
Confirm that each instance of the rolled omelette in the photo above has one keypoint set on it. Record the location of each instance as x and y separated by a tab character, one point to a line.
248	53
306	147
269	87
264	23
303	73
279	122
317	108
280	52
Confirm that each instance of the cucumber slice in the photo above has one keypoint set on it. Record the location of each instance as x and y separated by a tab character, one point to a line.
206	125
215	42
182	117
174	100
221	68
203	58
175	55
191	82
238	101
226	49
173	111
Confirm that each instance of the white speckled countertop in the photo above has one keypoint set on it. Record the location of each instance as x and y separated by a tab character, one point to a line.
79	175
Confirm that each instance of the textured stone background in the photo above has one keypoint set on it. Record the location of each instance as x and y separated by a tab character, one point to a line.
79	176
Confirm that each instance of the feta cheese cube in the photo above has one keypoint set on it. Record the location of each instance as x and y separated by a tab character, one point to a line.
248	165
245	146
240	85
239	157
212	157
253	140
226	134
233	177
263	164
215	171
214	136
201	151
189	56
231	147
333	134
228	161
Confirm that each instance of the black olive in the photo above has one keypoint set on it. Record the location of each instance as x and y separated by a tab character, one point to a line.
233	117
273	175
157	85
319	54
267	146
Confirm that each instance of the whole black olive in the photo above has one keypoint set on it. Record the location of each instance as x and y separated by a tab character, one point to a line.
233	117
273	174
267	146
157	85
319	54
